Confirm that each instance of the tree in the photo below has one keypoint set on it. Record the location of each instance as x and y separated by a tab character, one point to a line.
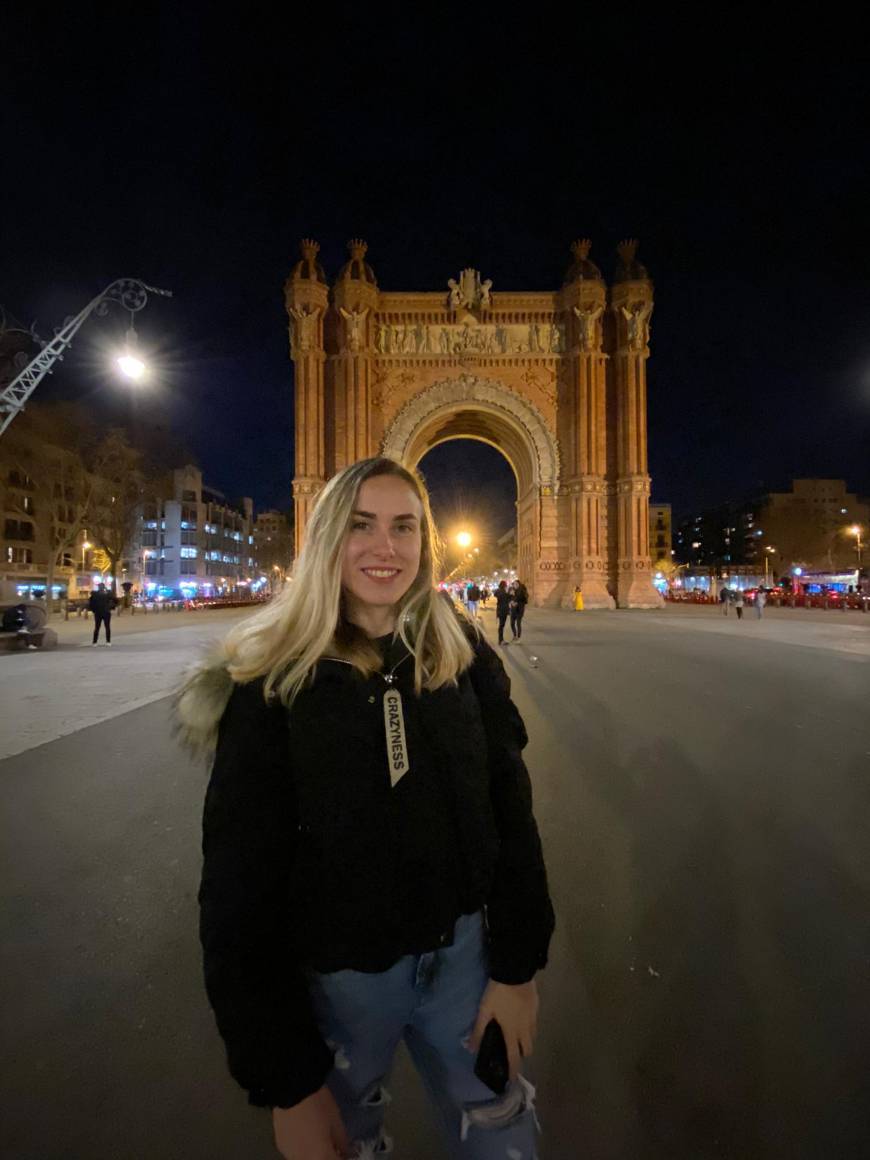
121	486
52	446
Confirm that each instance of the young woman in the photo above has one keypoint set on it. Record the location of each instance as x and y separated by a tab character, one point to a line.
502	608
518	601
372	868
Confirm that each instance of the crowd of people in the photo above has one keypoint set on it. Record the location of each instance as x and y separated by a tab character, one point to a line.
510	604
735	598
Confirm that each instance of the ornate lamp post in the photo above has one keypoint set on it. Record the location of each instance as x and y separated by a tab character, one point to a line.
130	293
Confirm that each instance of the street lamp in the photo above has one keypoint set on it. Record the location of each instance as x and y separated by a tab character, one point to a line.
855	531
130	293
767	551
128	363
463	539
143	581
85	545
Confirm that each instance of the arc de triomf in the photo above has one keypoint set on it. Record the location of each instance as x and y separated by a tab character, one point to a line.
555	380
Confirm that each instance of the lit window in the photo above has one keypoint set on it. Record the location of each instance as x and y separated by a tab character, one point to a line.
188	553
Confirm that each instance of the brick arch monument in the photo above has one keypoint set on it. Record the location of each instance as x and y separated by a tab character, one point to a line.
555	380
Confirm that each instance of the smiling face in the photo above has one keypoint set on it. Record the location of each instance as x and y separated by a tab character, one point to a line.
382	550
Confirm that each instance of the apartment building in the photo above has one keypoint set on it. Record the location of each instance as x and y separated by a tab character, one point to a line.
194	542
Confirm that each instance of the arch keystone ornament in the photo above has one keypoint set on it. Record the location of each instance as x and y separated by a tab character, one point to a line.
555	380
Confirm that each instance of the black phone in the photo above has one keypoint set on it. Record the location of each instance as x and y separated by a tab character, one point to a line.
491	1066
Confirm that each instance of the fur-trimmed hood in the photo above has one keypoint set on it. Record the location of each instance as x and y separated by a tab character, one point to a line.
200	704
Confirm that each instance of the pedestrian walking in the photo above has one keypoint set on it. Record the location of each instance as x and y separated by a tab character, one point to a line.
760	601
371	872
578	599
738	603
472	601
725	600
519	600
502	608
102	603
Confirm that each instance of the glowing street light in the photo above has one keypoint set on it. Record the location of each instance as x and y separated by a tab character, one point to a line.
463	539
855	531
129	363
131	294
132	367
768	551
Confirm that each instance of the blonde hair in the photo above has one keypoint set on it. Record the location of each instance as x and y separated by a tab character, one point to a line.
306	621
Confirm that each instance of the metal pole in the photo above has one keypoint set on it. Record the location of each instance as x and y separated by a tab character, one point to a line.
130	293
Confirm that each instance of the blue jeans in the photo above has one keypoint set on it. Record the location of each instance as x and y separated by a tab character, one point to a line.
431	1001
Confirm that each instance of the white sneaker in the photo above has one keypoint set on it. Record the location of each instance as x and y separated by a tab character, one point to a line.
108	644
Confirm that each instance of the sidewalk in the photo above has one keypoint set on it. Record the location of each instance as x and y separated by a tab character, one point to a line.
81	628
46	695
793	615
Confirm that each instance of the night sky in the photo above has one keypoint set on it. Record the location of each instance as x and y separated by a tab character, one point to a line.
168	144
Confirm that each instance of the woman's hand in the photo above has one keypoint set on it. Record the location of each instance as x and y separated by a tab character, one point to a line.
515	1009
311	1130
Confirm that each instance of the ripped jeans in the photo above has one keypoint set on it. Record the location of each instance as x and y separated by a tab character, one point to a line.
430	1001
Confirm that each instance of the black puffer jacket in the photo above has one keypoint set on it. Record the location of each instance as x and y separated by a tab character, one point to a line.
311	859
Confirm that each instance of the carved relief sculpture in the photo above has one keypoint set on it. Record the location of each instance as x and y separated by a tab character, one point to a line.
305	328
587	325
637	317
354	320
469	291
467	337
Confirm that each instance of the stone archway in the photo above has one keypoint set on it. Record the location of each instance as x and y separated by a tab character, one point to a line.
556	380
469	407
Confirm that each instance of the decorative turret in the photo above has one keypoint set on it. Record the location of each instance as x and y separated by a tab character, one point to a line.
582	302
631	304
628	268
355	298
308	269
306	296
357	269
581	268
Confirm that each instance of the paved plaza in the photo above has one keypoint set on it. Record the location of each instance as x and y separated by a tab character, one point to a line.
702	788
